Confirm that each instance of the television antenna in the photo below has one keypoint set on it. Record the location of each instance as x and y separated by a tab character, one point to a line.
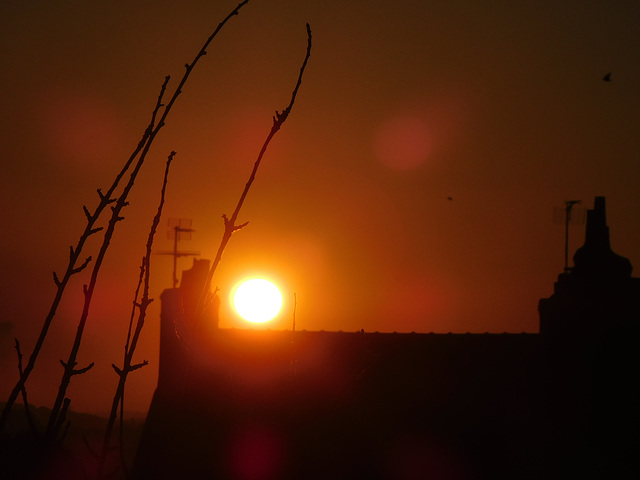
568	215
179	229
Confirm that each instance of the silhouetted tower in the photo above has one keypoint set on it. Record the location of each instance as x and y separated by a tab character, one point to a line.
598	294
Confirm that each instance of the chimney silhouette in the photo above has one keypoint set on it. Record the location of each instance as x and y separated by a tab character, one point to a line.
598	293
595	259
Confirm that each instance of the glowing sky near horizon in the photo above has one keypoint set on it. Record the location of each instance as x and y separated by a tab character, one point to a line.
411	189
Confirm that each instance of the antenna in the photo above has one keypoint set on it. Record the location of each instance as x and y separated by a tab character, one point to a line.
179	229
565	216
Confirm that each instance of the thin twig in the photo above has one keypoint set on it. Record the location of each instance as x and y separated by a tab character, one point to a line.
132	340
88	291
123	460
190	66
74	255
230	223
115	218
27	410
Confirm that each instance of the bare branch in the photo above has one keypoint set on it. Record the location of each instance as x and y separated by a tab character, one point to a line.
230	223
132	338
138	365
83	266
238	227
143	304
87	214
80	371
66	428
62	417
91	451
105	200
25	401
129	368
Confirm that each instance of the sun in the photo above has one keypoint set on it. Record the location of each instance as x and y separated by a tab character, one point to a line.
257	300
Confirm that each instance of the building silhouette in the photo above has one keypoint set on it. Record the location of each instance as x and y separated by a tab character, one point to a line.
244	404
598	294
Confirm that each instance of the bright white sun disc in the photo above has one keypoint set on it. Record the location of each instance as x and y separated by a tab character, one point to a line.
257	300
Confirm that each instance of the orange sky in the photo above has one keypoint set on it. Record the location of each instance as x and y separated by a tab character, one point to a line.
501	107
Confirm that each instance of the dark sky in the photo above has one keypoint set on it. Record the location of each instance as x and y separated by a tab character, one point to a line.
499	106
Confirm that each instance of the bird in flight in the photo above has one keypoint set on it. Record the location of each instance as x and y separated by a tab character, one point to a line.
607	77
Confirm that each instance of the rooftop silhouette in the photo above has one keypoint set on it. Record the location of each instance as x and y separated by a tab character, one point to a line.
275	404
598	294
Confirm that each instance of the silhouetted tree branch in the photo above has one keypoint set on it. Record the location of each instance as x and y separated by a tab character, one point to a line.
88	290
132	340
116	209
25	401
62	418
74	254
230	223
106	199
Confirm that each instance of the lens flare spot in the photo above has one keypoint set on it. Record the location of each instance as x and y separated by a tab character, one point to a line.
403	143
257	454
